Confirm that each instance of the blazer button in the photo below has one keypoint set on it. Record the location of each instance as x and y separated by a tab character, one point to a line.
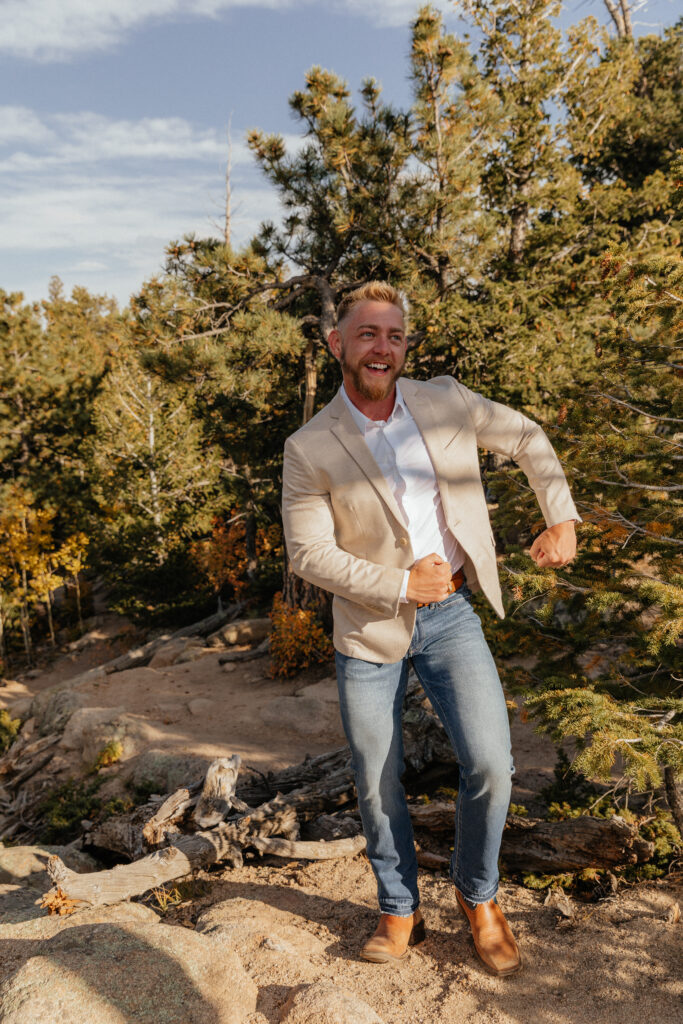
403	541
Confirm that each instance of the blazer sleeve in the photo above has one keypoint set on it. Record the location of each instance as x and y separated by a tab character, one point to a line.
308	521
510	433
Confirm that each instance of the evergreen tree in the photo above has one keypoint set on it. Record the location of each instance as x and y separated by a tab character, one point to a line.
610	676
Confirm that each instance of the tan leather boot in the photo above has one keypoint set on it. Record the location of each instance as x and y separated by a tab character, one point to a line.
493	939
392	938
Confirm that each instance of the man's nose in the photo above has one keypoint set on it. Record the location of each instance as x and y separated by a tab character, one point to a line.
382	344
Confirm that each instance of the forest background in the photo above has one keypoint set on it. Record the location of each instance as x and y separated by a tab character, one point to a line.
529	205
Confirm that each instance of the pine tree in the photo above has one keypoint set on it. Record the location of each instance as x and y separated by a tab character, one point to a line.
609	676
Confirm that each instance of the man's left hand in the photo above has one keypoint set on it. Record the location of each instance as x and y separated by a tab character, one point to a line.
555	546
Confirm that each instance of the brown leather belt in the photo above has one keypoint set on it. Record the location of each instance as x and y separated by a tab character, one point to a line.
456	581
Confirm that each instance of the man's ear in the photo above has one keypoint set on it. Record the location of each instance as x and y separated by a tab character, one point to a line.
334	342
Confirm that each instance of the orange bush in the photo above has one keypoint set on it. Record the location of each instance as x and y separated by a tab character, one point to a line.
223	558
297	640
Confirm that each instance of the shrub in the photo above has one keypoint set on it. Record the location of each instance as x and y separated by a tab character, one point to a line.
297	640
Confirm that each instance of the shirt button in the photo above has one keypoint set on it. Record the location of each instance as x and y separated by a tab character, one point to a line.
403	541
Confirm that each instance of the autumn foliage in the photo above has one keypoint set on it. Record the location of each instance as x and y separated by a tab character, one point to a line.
297	640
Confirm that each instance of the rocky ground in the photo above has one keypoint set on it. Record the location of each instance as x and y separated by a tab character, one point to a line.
277	940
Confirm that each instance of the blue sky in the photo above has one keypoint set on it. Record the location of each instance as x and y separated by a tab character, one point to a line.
114	114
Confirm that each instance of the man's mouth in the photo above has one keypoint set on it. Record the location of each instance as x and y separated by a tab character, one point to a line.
377	368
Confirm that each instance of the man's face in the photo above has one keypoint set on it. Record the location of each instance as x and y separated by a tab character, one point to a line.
370	344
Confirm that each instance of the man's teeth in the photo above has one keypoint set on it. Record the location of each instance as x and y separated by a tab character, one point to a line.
377	366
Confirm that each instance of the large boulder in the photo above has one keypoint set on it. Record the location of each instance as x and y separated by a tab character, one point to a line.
113	973
90	730
30	921
242	631
54	707
246	925
163	771
307	716
323	1002
27	864
325	690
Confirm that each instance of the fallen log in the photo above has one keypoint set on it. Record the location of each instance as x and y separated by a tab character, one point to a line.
256	652
187	854
171	811
552	846
218	792
322	850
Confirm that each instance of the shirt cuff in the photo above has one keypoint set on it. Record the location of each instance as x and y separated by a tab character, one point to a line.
402	599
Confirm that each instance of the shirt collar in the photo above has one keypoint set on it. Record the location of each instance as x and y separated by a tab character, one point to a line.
364	423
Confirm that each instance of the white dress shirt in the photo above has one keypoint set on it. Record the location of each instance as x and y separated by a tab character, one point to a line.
398	449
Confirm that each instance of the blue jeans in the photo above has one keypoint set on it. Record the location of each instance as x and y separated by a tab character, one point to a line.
454	664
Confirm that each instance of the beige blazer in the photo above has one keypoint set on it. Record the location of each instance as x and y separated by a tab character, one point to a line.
345	532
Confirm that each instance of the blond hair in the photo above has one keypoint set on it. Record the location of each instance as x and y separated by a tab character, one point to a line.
373	291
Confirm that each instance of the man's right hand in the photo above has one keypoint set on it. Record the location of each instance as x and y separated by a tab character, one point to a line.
429	580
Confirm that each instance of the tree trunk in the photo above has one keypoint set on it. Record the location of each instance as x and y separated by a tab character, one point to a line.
673	798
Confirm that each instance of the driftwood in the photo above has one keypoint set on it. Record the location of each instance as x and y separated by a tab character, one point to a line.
552	846
189	853
171	810
218	792
257	652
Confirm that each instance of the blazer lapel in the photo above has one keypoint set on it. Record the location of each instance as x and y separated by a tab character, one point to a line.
345	430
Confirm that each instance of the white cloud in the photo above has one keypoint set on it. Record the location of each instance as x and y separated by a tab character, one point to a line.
19	124
56	29
109	233
59	29
86	137
95	200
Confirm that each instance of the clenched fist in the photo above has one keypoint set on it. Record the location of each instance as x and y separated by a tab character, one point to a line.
555	546
429	580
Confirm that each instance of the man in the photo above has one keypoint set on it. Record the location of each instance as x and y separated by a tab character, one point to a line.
383	506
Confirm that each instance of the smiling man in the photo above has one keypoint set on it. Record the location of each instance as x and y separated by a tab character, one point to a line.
383	506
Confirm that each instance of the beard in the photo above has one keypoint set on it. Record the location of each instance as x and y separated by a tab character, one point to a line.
374	390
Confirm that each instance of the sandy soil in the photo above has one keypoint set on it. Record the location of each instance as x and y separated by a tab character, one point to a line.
606	963
609	963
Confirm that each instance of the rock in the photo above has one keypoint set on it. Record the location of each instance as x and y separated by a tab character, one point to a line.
20	708
17	904
193	653
110	973
229	666
27	863
307	716
160	771
323	1002
325	690
242	631
245	924
201	706
90	730
37	924
167	654
53	708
